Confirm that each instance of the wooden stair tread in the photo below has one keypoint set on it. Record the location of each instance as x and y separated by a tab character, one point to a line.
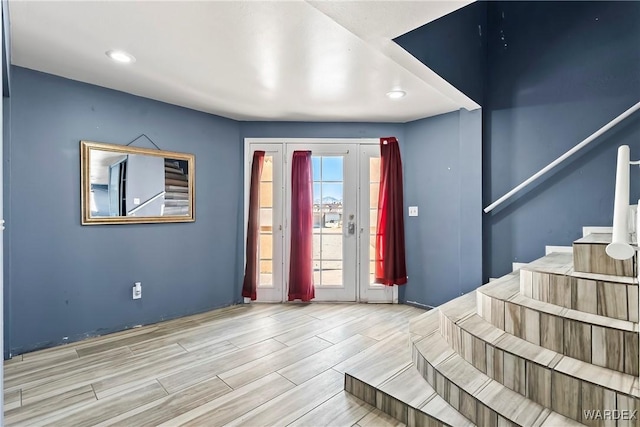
488	333
411	388
598	375
580	316
379	362
461	307
505	402
503	288
510	291
562	263
608	378
388	368
443	411
555	263
595	238
425	324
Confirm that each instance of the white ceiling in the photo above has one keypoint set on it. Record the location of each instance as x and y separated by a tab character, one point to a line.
246	60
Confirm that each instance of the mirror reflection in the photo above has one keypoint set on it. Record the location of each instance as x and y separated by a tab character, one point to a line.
129	184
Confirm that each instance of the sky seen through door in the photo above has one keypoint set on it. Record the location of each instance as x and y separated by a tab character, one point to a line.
327	177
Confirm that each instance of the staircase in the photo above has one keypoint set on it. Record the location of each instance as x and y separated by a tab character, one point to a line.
554	343
176	196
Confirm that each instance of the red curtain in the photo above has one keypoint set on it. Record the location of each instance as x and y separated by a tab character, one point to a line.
301	265
252	268
390	250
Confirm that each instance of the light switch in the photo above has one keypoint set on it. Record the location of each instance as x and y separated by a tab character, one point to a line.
136	201
413	211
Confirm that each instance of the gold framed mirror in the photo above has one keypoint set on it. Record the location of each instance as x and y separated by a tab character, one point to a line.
130	185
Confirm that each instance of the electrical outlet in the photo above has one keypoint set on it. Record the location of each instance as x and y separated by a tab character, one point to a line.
137	290
413	211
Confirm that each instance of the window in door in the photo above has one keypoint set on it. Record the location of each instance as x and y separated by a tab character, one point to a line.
327	220
374	189
266	223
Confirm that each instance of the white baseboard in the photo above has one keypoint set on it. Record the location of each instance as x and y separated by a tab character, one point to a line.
517	265
563	249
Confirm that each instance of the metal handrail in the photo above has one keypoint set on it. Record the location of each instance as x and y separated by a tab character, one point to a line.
560	159
137	208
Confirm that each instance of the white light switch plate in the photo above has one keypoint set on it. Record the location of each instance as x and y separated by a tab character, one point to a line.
413	211
136	201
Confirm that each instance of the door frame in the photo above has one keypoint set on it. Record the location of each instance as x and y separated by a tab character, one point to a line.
285	143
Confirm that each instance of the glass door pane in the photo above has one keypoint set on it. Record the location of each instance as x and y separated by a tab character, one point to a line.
265	250
327	220
270	250
335	189
374	188
370	185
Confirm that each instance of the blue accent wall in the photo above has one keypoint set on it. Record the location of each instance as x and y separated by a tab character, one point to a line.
67	281
443	178
455	47
552	74
567	69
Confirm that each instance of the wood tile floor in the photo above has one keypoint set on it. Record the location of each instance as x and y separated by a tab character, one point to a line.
257	365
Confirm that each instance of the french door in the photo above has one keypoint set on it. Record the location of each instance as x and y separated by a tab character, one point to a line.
345	196
369	188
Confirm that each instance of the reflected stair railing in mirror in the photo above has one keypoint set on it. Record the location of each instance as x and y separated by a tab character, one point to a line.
133	211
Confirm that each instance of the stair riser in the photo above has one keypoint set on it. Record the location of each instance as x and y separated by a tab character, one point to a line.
395	408
609	299
542	384
592	258
561	393
600	345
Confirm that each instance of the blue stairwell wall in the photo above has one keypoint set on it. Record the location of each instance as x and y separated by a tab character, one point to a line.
443	176
568	69
552	74
455	47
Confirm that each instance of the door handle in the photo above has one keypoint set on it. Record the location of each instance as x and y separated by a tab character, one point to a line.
351	229
351	225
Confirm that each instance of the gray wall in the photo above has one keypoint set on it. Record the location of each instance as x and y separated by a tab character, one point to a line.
145	180
69	281
443	178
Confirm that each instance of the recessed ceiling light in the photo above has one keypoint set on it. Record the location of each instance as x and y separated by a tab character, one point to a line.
396	94
121	56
